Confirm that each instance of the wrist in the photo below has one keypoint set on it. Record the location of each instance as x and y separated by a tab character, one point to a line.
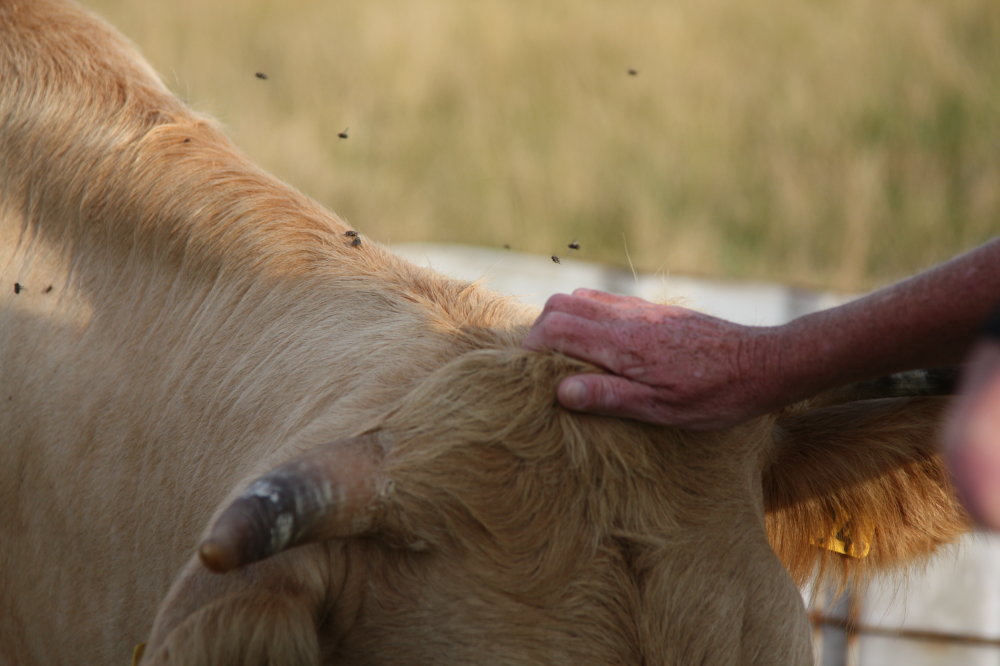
823	350
765	367
793	361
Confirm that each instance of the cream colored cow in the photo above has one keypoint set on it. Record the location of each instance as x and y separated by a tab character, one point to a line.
200	371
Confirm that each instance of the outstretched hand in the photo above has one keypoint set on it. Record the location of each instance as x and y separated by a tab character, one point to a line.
668	365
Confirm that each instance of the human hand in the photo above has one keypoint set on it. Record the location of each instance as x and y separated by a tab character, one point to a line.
669	365
972	436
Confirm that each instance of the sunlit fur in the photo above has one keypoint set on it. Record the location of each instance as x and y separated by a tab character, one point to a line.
206	322
870	468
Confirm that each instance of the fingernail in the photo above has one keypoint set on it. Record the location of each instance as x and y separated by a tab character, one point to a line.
573	393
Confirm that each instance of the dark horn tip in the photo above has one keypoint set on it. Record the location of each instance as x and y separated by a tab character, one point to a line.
252	528
217	556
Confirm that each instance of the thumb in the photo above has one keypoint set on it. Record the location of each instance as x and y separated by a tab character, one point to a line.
610	395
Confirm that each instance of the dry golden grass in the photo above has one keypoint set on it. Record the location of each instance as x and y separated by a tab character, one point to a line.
839	144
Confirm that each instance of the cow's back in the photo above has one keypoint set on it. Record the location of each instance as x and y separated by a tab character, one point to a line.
170	316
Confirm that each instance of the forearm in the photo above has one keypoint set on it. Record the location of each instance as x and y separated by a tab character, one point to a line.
931	319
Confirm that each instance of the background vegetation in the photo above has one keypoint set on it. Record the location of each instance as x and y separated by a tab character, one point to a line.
838	144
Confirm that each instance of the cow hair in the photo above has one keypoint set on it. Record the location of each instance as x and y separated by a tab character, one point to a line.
210	322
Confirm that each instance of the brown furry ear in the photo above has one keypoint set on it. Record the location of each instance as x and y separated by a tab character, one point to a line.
266	613
863	477
253	628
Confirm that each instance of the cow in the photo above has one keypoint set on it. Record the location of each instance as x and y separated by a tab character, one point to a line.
233	434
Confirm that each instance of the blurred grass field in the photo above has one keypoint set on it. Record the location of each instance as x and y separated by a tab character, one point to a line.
827	144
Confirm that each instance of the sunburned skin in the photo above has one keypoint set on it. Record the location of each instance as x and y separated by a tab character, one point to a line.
673	366
662	358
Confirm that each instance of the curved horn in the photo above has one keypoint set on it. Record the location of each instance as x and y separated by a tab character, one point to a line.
325	493
906	384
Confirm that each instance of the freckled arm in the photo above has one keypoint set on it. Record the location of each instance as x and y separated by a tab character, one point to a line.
673	366
931	319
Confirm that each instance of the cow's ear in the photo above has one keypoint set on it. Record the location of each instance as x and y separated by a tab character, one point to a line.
332	491
857	486
268	609
267	613
253	626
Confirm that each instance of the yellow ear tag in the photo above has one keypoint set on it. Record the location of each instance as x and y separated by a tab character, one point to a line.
849	539
137	653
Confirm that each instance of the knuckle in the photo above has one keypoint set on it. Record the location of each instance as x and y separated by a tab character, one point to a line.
554	326
557	302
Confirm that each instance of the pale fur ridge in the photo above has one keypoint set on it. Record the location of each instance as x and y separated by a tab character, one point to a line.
207	322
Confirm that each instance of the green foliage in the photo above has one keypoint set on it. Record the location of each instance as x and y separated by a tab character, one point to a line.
831	144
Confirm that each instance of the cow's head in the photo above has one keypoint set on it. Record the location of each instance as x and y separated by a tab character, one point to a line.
479	520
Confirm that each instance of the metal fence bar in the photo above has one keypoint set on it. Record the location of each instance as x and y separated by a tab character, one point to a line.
856	629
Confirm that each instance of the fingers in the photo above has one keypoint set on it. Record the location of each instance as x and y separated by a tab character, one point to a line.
582	303
545	334
638	343
592	304
606	298
569	323
602	305
612	395
581	338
